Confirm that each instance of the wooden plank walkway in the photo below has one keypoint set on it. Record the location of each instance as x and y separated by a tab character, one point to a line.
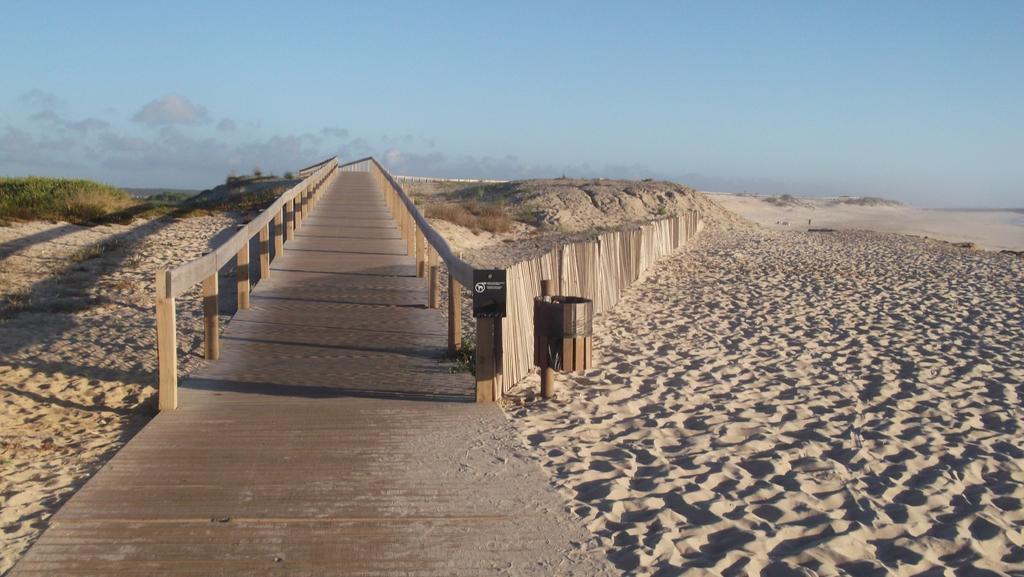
328	440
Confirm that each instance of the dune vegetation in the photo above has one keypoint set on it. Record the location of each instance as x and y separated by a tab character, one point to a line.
475	216
87	202
71	200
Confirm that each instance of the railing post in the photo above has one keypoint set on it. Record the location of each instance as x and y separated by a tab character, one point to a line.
211	317
485	361
278	233
433	290
454	315
265	251
410	239
289	220
421	253
166	343
242	275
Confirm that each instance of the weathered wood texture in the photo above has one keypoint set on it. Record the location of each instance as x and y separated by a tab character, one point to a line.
166	343
211	317
317	444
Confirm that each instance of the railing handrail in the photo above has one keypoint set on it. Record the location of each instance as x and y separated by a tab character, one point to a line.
306	169
442	179
275	224
186	275
459	269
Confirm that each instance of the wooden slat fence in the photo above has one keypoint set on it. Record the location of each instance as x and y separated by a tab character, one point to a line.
599	269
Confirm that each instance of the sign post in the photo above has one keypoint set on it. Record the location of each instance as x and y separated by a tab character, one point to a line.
490	292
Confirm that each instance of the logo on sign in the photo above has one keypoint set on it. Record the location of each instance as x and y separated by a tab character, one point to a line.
480	287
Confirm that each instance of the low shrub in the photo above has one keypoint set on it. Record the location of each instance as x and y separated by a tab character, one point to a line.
464	359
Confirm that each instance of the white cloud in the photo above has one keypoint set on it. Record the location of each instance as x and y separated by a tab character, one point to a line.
83	126
34	154
227	125
332	132
171	109
41	99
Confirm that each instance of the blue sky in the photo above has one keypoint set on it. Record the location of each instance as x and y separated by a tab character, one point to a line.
920	101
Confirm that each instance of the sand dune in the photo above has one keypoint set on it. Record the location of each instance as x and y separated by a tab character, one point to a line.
801	404
77	354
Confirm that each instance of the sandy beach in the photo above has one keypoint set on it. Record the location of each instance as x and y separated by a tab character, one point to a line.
792	403
988	229
77	354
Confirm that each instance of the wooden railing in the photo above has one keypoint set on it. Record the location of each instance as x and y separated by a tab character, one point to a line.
598	269
276	224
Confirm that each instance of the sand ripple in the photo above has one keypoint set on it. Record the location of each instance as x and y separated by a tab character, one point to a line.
792	403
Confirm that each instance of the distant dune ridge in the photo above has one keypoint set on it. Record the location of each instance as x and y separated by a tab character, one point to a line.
987	229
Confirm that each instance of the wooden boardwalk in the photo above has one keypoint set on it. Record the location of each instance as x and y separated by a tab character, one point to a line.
328	440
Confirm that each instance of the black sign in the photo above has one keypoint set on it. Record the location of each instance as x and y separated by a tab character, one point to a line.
489	291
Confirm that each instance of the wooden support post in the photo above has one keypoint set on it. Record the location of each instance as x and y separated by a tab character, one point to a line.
211	317
454	315
410	240
485	361
433	288
166	343
421	254
278	233
265	251
298	210
289	220
547	373
242	276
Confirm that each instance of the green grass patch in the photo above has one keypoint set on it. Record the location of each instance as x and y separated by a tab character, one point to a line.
87	202
72	200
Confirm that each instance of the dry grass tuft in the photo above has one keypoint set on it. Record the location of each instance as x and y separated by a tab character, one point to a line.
94	250
475	216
